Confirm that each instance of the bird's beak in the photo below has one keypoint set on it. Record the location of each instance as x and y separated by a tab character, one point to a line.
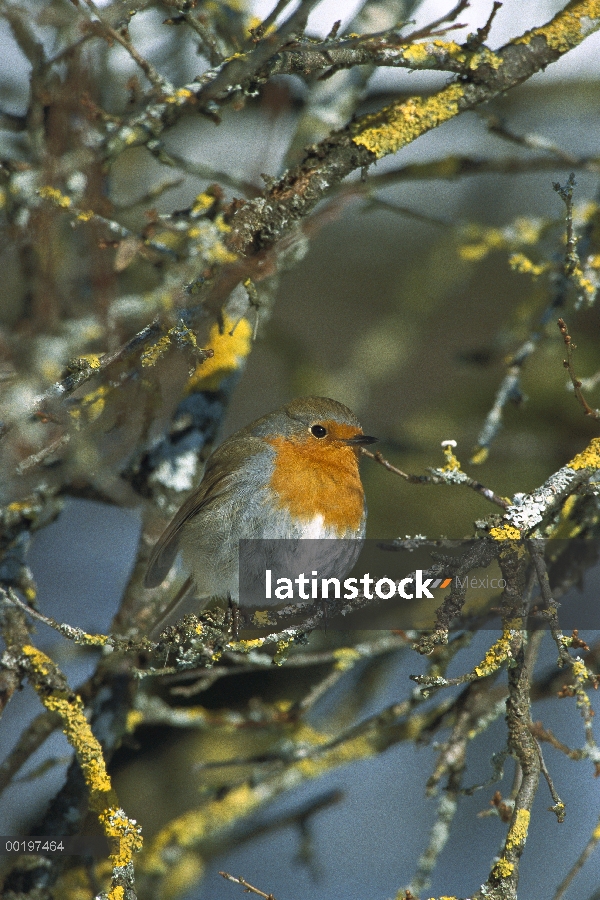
361	439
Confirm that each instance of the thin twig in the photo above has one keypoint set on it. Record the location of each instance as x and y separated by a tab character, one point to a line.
544	734
36	458
559	807
565	192
579	863
111	34
439	479
498	126
271	18
510	386
449	17
474	42
209	40
387	643
568	364
248	888
453	167
77	635
29	742
75	379
551	607
201	170
378	203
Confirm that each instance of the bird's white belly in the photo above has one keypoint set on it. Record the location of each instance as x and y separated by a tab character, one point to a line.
316	529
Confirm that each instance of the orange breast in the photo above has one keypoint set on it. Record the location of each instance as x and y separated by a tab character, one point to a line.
311	478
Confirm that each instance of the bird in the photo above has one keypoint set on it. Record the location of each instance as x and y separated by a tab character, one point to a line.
292	474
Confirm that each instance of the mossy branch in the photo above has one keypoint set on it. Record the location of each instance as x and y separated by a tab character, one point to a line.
123	834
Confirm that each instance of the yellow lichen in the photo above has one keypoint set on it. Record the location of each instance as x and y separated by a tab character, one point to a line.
569	27
521	263
475	252
393	127
230	347
261	618
517	834
182	95
202	203
499	652
584	283
588	458
496	655
485	56
173	240
85	215
416	53
123	833
92	359
479	456
189	829
41	663
581	674
246	646
567	527
429	52
253	22
134	718
90	640
182	334
503	869
306	734
485	240
56	196
182	876
221	225
151	356
505	533
218	253
360	747
282	650
452	463
413	726
94	403
345	658
19	506
75	725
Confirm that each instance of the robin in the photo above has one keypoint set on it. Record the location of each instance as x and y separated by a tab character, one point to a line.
291	474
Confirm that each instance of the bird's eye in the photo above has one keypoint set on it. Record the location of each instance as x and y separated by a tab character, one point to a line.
318	431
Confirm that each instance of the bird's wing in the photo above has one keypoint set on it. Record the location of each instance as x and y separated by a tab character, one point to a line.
222	471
